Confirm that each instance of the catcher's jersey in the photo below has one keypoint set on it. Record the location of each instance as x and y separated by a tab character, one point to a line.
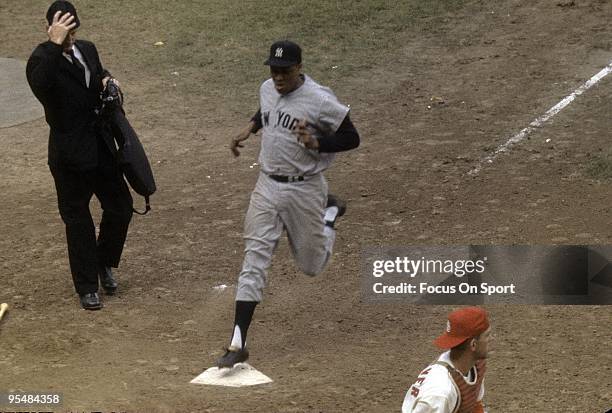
281	153
435	391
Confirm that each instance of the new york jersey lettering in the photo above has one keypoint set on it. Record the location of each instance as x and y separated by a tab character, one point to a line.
285	120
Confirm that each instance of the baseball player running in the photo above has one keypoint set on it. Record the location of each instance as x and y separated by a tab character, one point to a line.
454	382
303	125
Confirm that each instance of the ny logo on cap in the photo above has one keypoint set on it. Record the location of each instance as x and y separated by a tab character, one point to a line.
448	327
279	52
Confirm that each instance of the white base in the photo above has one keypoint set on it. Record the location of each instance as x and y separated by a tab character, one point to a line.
242	374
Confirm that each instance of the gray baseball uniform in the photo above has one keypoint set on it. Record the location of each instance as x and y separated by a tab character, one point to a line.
297	206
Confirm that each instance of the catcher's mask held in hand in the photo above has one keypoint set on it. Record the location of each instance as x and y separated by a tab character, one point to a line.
112	96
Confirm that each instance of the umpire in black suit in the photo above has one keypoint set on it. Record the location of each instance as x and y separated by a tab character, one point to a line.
66	76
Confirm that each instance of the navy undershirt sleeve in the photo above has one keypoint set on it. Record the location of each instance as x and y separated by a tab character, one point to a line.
345	138
257	119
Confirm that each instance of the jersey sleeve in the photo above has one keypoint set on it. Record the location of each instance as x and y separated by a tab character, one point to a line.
332	114
256	119
433	392
430	404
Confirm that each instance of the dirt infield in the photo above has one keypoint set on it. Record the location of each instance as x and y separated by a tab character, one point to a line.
433	87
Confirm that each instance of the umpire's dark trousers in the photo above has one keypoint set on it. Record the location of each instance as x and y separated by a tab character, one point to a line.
74	192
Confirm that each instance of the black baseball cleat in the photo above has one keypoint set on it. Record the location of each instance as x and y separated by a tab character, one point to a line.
233	356
90	301
332	200
108	282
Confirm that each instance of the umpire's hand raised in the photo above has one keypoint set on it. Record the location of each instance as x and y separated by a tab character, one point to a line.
60	27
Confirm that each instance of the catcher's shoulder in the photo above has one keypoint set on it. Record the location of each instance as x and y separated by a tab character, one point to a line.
435	380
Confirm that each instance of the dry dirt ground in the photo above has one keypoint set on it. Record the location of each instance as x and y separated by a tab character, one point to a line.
430	98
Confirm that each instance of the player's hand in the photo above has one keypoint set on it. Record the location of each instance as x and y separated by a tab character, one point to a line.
60	27
304	136
236	140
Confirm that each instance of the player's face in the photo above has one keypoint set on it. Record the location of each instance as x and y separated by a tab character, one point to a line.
482	344
286	79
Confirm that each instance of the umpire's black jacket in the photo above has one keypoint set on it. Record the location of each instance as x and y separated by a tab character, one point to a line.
70	106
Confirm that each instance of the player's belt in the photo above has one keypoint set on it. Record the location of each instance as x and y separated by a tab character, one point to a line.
285	179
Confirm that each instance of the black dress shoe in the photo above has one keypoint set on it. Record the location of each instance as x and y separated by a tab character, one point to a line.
90	301
106	279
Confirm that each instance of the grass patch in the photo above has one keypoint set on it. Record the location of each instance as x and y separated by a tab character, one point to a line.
219	46
600	167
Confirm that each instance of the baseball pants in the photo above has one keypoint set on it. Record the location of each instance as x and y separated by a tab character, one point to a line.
298	207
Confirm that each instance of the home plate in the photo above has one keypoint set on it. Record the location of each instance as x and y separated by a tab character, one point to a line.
242	374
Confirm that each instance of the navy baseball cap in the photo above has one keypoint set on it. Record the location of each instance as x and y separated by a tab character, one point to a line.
284	53
65	7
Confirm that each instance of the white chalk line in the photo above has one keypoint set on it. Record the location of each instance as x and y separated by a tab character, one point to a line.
538	122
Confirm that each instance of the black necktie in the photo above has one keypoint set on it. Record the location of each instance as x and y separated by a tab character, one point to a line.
76	62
